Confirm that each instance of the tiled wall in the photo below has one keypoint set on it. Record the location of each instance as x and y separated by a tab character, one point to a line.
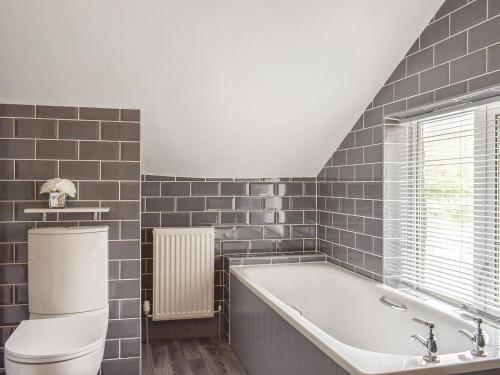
457	53
98	149
350	193
249	216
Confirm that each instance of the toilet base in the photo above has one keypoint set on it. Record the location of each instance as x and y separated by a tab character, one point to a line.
87	364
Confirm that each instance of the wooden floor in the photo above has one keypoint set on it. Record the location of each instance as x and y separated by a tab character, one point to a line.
190	356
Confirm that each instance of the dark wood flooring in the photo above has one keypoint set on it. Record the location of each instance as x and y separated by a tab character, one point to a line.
198	356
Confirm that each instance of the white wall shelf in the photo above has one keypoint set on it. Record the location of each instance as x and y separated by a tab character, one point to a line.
44	211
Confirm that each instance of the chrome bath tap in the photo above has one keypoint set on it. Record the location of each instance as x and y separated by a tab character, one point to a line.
477	338
429	343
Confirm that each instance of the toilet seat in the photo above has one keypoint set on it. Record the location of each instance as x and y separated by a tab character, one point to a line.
56	339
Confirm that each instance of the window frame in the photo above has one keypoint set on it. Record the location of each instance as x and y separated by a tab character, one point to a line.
415	156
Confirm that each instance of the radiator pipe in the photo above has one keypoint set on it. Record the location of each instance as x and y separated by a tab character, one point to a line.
219	311
146	308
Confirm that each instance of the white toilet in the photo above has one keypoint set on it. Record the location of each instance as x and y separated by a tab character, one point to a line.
68	304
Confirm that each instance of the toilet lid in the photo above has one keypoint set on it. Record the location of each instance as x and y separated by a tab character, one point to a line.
56	339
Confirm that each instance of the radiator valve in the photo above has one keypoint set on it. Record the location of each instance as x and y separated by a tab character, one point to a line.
146	308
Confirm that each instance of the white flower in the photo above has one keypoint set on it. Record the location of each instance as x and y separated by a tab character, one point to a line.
60	185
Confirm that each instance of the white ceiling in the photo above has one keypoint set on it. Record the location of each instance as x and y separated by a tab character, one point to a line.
227	88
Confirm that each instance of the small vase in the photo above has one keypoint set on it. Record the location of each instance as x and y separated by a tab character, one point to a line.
57	200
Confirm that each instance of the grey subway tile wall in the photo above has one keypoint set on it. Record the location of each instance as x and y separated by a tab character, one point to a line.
41	142
250	217
358	215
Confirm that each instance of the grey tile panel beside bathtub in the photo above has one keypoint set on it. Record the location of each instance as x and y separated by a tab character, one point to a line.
41	142
250	217
456	54
267	344
272	258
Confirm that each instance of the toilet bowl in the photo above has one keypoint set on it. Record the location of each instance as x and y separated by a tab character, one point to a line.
57	346
68	304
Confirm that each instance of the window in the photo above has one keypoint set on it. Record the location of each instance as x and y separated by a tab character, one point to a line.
451	225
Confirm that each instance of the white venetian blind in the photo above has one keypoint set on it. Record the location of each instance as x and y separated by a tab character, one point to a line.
451	207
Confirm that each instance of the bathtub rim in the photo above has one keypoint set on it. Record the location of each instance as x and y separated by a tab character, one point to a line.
344	354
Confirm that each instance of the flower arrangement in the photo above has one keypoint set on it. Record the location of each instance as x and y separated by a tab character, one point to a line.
58	188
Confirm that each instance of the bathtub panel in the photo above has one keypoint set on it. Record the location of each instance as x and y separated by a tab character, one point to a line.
266	344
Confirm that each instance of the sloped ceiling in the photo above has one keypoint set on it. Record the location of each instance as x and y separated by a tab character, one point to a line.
227	88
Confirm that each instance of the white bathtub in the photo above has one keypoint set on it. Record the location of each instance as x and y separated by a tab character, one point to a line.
342	316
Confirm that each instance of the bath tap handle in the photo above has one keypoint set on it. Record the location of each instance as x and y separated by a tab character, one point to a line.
478	321
426	323
477	338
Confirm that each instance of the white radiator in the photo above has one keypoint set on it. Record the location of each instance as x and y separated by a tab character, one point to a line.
183	273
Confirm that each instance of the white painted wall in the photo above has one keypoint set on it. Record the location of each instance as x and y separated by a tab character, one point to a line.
227	88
